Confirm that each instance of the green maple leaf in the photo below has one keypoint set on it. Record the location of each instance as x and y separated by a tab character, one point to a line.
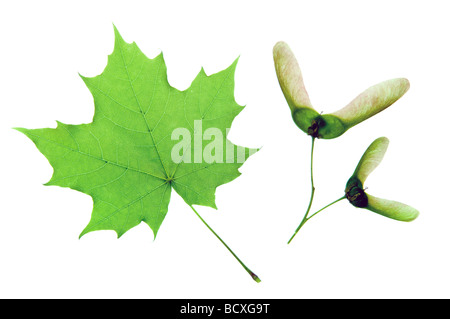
124	158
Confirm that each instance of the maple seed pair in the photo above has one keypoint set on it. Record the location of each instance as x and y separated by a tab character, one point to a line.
355	193
328	126
370	102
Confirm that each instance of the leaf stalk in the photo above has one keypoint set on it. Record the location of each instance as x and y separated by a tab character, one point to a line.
251	273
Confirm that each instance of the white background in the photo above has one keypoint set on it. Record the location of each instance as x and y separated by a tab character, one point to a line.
343	47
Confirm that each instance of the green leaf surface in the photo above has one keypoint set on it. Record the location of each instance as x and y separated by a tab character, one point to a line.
123	158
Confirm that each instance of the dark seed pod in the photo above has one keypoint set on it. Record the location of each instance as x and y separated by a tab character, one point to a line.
316	124
357	197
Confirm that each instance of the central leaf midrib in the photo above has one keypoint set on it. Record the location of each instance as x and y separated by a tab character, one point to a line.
142	112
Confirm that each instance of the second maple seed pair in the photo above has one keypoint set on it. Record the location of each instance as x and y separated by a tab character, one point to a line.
328	126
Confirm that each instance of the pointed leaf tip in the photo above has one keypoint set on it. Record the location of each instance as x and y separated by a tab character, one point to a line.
116	31
233	65
20	129
117	36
